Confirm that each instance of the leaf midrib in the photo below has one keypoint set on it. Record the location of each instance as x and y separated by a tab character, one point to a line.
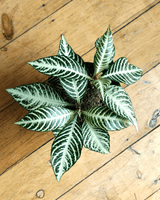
58	67
103	117
96	138
119	72
102	55
41	98
66	148
45	119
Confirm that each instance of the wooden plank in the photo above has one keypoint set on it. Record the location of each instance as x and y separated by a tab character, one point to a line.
69	20
154	196
19	111
34	173
39	10
129	176
139	41
26	14
15	141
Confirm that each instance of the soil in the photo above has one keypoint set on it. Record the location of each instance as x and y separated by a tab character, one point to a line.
91	97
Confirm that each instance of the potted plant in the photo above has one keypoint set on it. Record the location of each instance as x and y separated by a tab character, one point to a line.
81	102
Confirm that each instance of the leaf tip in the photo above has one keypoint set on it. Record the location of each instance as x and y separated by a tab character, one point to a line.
136	125
109	29
58	178
137	128
9	90
62	36
108	151
16	123
30	63
63	39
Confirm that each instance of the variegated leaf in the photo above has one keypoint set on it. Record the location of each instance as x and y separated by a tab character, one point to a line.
46	119
66	50
104	118
97	42
123	72
66	148
95	139
101	85
118	101
105	52
36	95
60	66
58	130
75	88
55	83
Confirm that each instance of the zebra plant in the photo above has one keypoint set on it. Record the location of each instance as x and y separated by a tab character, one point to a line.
72	126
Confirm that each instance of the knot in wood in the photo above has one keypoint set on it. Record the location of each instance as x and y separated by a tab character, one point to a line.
40	194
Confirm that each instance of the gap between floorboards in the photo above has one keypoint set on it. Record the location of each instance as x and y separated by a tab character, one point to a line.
120	27
117	29
130	146
36	24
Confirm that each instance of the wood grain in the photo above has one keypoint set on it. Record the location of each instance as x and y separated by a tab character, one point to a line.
69	20
138	41
19	147
34	172
26	14
154	196
126	173
122	181
15	141
40	10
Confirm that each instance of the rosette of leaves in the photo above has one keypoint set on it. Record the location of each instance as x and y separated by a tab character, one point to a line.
48	111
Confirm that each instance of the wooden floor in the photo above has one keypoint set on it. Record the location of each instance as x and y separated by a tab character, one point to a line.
132	170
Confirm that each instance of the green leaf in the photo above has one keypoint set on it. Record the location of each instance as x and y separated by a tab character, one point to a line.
119	102
95	139
104	118
105	52
66	148
46	119
101	85
66	50
123	72
75	88
36	95
58	130
60	66
55	83
97	42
